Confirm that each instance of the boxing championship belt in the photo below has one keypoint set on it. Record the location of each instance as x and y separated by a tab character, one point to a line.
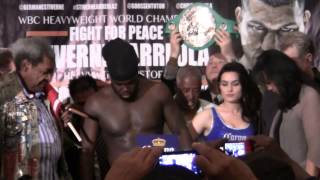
197	25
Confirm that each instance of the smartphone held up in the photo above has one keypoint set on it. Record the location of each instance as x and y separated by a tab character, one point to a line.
236	149
180	158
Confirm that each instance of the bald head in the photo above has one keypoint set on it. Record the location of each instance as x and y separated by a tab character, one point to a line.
188	72
188	87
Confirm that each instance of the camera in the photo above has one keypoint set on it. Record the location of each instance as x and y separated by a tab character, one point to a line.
237	149
180	158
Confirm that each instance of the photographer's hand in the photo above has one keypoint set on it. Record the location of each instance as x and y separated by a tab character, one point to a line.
135	164
216	165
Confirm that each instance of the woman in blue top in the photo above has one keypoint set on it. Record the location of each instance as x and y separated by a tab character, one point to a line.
237	117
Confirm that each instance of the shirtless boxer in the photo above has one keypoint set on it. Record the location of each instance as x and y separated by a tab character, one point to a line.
131	105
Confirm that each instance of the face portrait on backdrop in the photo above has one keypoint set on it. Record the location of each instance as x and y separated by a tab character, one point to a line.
263	22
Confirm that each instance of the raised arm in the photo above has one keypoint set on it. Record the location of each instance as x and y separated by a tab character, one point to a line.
223	39
89	135
171	68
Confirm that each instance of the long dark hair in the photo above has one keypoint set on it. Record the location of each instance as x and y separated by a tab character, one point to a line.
251	96
274	66
314	33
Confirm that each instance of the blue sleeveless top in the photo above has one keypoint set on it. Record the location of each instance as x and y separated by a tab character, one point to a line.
220	130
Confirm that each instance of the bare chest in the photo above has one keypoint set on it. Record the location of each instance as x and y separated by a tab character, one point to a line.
119	118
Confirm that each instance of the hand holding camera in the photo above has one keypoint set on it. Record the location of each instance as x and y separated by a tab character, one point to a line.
216	164
237	149
68	111
208	158
180	158
205	158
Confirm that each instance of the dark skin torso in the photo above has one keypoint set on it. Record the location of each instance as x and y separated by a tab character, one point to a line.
189	115
120	120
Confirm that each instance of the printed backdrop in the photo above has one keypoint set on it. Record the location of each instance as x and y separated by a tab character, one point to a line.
78	29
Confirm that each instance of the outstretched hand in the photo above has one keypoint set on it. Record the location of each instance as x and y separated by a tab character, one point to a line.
135	164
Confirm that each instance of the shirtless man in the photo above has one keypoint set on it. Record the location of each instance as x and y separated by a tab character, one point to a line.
130	106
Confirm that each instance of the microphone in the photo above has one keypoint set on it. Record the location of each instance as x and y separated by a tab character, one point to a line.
74	131
82	114
64	106
75	111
